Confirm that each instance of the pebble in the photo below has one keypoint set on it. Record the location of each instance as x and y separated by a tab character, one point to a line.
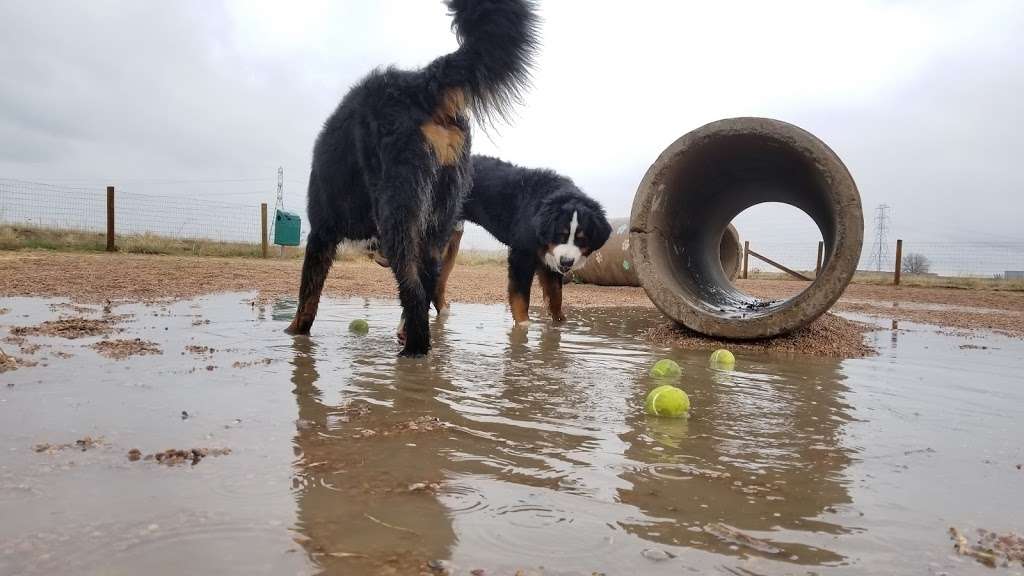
656	554
439	565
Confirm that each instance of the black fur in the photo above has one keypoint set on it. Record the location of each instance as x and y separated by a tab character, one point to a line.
529	210
376	174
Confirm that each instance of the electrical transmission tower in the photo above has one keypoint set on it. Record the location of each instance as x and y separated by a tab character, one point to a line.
280	189
279	205
880	250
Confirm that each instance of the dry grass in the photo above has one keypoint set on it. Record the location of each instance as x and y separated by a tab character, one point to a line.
33	238
961	283
910	280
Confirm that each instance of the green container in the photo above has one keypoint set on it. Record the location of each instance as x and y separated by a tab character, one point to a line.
287	227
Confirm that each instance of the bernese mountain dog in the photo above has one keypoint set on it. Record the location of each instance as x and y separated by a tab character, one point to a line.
549	225
393	160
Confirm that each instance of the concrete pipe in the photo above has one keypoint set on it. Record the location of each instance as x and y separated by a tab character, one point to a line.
612	265
705	179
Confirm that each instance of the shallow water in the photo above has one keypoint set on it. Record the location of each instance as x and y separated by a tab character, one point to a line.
527	449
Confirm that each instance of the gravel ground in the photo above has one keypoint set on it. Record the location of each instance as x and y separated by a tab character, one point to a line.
830	336
99	277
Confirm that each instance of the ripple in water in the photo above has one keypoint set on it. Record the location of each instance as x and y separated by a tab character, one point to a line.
184	544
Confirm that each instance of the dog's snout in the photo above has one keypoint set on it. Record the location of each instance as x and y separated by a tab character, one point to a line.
566	262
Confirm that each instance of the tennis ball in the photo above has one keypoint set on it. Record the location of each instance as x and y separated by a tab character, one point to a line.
723	358
667	401
359	326
666	368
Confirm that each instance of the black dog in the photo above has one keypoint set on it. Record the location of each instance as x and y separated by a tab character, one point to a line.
549	225
392	161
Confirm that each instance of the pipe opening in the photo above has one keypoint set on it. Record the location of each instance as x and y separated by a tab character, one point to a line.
702	183
785	235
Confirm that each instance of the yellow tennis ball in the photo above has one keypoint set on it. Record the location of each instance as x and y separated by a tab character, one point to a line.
359	326
723	358
667	401
666	369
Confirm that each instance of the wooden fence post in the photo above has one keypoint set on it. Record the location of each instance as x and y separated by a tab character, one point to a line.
821	252
263	223
746	256
111	247
899	263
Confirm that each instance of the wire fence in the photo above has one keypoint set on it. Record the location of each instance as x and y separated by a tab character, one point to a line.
84	209
955	259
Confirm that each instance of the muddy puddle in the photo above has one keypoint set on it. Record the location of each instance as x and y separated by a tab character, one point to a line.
507	451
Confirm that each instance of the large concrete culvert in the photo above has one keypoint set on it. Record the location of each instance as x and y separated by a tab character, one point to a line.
705	179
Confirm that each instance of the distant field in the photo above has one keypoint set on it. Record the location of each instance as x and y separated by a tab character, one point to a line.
33	238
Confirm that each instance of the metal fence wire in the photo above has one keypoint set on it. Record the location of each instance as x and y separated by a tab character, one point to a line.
957	259
84	209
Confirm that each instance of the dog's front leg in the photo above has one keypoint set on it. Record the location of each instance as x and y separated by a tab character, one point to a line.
551	286
521	268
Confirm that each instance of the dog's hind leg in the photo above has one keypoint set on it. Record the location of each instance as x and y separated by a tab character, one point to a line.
401	232
320	250
447	264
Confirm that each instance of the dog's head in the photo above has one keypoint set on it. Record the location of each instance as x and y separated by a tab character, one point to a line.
571	226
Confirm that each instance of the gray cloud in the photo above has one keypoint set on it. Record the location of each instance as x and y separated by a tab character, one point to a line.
920	99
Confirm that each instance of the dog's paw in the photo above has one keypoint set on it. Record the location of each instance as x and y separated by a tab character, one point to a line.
400	332
296	330
411	352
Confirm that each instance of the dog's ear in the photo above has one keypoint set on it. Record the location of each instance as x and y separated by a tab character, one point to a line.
596	227
546	221
602	229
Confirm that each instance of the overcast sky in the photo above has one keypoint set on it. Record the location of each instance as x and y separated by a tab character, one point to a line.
922	100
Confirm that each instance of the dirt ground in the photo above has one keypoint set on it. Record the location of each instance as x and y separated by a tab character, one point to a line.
100	277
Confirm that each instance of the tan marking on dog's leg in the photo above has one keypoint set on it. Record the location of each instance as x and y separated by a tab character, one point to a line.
520	307
447	265
551	286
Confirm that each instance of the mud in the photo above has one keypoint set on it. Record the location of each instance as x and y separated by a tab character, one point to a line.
83	444
121	349
176	456
989	548
506	451
70	328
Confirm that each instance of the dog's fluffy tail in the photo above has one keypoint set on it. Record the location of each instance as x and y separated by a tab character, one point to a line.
497	43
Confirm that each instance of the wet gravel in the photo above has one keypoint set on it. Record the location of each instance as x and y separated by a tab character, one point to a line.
830	336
